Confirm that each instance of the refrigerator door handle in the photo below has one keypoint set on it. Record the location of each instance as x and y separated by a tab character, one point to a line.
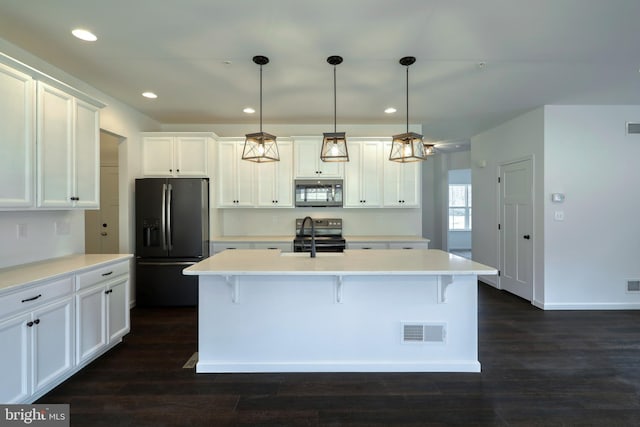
164	217
169	196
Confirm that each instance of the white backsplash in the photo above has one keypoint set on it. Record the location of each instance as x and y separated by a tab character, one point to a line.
278	222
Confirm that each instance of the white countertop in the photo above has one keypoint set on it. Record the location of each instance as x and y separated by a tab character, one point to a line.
259	262
52	268
348	238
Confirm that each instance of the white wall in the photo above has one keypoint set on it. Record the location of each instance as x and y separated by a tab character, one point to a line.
42	243
592	253
522	137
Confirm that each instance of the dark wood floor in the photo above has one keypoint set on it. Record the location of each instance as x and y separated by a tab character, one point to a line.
539	368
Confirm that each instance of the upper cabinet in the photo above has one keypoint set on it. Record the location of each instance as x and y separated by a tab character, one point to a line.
307	160
275	179
17	136
49	134
175	155
68	150
363	174
235	176
401	183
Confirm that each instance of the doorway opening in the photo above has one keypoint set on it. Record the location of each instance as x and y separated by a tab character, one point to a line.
459	212
102	227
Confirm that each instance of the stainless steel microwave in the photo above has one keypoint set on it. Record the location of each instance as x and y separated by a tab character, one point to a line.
318	192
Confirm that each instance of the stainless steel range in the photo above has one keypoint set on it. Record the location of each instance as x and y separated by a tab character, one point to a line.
328	235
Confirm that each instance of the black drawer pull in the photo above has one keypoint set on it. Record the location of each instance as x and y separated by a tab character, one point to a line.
29	324
107	274
37	321
32	298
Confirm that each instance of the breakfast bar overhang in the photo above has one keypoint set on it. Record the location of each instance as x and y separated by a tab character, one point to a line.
357	311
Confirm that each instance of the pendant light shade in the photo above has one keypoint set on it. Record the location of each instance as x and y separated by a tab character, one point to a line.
260	146
334	144
429	149
408	146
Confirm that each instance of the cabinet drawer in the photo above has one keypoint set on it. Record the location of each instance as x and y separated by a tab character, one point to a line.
90	278
32	297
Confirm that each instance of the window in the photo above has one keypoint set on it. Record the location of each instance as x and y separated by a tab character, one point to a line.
460	207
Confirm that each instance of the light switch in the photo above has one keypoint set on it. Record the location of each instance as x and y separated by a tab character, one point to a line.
558	215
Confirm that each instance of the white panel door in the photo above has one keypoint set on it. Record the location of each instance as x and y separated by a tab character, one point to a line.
17	139
191	156
516	228
157	156
91	317
118	312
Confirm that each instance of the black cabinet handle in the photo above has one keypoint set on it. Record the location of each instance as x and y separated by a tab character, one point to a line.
108	292
37	321
107	273
29	324
32	298
526	236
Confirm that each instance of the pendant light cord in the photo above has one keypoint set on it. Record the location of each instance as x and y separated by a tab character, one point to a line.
334	100
260	98
407	99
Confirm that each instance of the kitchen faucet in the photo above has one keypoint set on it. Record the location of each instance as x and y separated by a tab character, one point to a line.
313	234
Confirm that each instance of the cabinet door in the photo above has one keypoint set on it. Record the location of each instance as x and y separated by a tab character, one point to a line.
87	156
235	176
14	359
118	309
90	323
17	102
308	163
157	156
191	156
274	180
352	185
54	136
370	173
401	183
52	343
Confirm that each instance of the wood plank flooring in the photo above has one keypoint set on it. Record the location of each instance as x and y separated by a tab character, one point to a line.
539	368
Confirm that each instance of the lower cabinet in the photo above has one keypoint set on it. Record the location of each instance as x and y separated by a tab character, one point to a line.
102	316
37	349
50	330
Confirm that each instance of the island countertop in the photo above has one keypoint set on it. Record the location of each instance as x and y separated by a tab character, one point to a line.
352	262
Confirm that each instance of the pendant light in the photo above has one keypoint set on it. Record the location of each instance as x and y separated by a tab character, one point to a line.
429	149
260	146
334	144
408	146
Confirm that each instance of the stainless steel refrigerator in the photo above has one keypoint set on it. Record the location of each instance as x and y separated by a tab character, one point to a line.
172	233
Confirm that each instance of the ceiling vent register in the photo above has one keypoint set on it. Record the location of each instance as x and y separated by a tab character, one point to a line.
633	128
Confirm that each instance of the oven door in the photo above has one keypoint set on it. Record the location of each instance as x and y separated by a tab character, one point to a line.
303	244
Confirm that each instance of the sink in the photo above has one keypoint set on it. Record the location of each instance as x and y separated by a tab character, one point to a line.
306	254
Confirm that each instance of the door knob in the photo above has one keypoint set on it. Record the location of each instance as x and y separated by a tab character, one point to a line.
526	236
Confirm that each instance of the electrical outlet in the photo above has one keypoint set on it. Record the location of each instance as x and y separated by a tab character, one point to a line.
22	231
558	215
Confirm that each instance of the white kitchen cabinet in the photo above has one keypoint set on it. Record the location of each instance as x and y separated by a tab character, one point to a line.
235	176
218	246
308	163
102	310
401	183
362	182
36	327
17	134
274	180
175	155
408	245
68	150
366	245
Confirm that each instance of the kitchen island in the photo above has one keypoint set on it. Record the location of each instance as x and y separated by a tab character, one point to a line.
357	311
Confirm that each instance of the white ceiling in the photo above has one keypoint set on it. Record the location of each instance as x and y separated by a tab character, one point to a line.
536	52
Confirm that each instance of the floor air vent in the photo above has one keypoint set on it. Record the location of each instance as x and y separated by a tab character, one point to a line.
416	333
633	285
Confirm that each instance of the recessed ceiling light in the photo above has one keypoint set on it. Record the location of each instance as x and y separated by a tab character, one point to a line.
249	110
149	95
390	110
85	35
